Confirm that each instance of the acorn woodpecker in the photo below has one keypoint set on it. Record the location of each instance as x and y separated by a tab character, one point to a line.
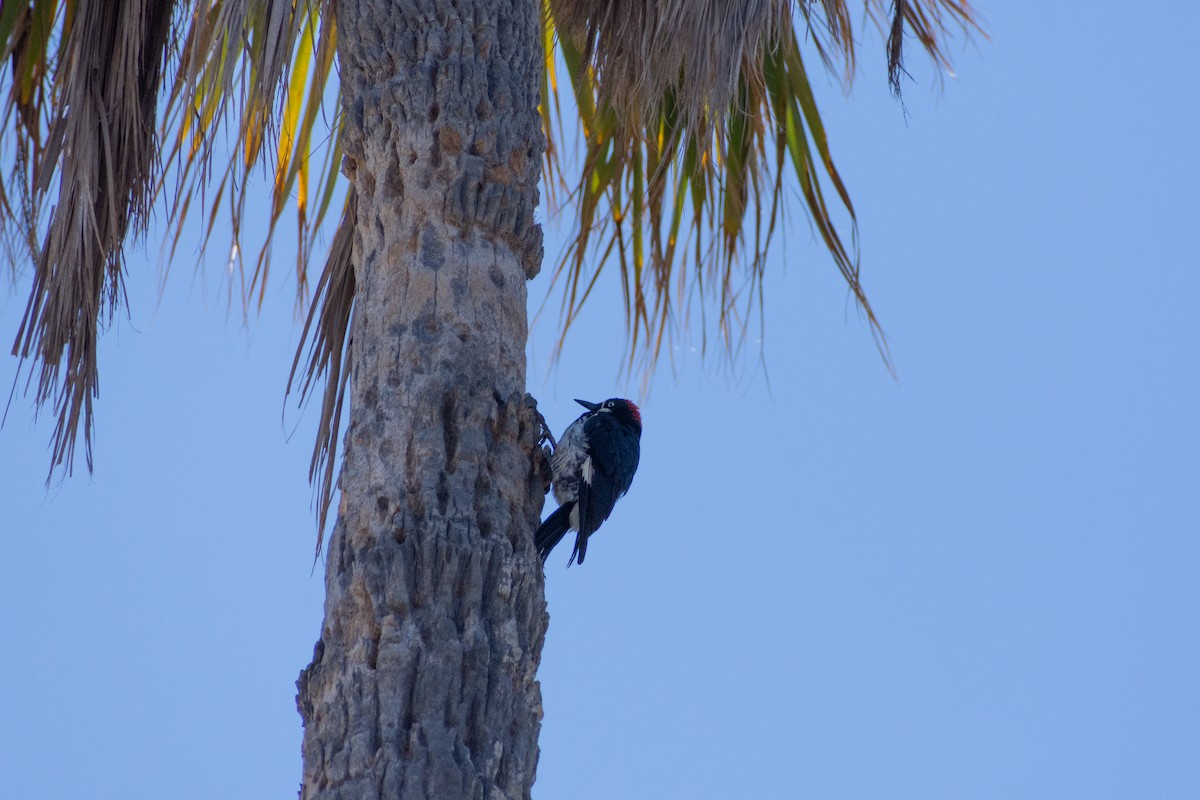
592	466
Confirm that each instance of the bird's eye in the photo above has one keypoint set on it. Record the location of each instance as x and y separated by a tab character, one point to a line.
609	404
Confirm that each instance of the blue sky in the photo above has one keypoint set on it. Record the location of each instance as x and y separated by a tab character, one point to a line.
976	581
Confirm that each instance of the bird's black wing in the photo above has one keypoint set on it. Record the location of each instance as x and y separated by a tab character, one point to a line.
613	452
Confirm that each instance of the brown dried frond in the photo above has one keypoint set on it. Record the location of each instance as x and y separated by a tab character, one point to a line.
85	81
101	146
695	50
930	21
327	331
831	35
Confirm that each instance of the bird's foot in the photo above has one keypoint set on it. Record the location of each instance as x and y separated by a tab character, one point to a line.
544	434
544	437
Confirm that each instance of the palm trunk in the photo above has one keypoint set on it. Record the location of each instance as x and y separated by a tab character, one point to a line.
423	682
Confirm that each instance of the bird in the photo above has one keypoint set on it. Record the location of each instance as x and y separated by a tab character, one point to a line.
591	468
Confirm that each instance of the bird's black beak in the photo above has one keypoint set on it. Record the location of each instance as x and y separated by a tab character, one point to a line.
587	405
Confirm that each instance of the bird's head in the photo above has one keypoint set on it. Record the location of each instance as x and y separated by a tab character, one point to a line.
624	410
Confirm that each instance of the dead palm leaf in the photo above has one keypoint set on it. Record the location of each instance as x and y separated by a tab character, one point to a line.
82	124
89	126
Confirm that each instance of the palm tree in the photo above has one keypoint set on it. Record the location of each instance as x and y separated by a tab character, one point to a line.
693	112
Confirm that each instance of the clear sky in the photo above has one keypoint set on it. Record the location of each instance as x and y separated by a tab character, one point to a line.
978	581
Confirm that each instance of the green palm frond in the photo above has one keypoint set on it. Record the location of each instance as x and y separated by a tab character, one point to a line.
265	67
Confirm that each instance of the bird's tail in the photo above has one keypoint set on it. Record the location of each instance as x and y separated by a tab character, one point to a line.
553	530
580	550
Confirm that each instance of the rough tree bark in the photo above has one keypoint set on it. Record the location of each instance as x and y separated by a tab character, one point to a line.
423	684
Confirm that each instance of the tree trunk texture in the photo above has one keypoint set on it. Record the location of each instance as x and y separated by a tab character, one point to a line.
423	684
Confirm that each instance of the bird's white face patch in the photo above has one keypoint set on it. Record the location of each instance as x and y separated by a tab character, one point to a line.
586	470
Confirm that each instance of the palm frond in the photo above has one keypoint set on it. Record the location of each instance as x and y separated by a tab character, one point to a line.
694	114
265	69
81	102
86	121
697	116
639	51
932	22
327	331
